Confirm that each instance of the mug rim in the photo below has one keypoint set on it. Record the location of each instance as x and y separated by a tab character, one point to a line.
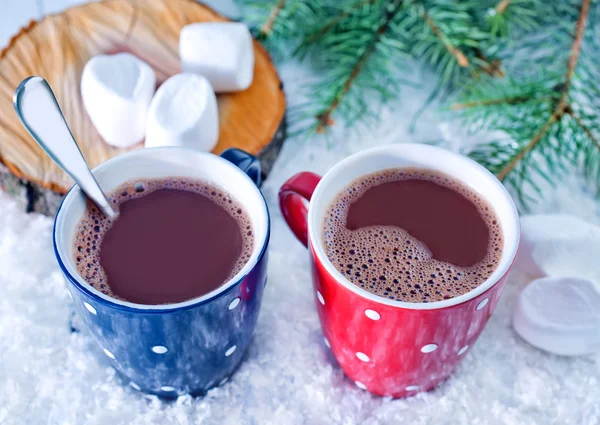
316	241
83	286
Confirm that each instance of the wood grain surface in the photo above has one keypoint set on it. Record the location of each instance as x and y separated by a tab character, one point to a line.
58	46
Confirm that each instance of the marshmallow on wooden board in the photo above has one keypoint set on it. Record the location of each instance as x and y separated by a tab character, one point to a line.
560	315
183	113
222	52
116	92
559	245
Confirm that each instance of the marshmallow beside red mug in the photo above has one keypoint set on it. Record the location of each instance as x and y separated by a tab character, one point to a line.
389	347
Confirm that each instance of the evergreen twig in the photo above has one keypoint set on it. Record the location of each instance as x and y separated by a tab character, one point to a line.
502	6
492	68
527	148
527	69
513	14
588	132
266	29
563	101
324	118
334	21
488	102
460	57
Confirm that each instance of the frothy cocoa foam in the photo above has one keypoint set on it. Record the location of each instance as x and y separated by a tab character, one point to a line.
387	261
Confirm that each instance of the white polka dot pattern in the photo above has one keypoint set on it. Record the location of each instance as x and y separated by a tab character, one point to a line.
320	297
462	350
160	349
482	304
372	314
362	357
429	348
233	304
108	353
360	385
230	351
89	308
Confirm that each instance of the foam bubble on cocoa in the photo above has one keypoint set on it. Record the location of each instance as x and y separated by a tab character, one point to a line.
387	261
94	225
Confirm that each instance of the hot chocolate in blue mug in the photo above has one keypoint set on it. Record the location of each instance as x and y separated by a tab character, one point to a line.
171	289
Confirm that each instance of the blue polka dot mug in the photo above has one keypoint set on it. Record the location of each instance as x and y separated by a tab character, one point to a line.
188	347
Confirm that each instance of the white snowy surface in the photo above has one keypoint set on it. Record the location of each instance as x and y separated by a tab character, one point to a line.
47	375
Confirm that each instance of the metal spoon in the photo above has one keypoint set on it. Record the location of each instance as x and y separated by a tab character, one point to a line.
40	113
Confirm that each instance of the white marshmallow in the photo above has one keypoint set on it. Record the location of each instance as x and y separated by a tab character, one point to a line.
183	113
221	51
559	245
116	91
560	315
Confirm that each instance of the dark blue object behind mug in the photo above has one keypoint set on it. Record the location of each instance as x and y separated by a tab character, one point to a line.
185	350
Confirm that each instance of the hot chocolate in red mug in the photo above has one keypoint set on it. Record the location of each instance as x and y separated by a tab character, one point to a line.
410	247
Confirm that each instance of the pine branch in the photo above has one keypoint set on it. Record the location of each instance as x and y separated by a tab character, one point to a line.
546	106
489	102
502	6
334	21
562	103
324	118
446	34
588	132
346	45
543	116
266	29
576	49
513	16
492	68
536	33
527	148
279	24
460	57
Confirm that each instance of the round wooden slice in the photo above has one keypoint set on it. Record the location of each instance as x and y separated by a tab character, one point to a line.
57	48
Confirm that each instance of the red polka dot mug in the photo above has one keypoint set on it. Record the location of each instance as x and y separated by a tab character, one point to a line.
390	347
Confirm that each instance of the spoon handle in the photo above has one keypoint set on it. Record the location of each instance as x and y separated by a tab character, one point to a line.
40	113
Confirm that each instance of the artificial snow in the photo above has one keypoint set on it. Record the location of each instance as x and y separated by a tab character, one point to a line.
48	376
